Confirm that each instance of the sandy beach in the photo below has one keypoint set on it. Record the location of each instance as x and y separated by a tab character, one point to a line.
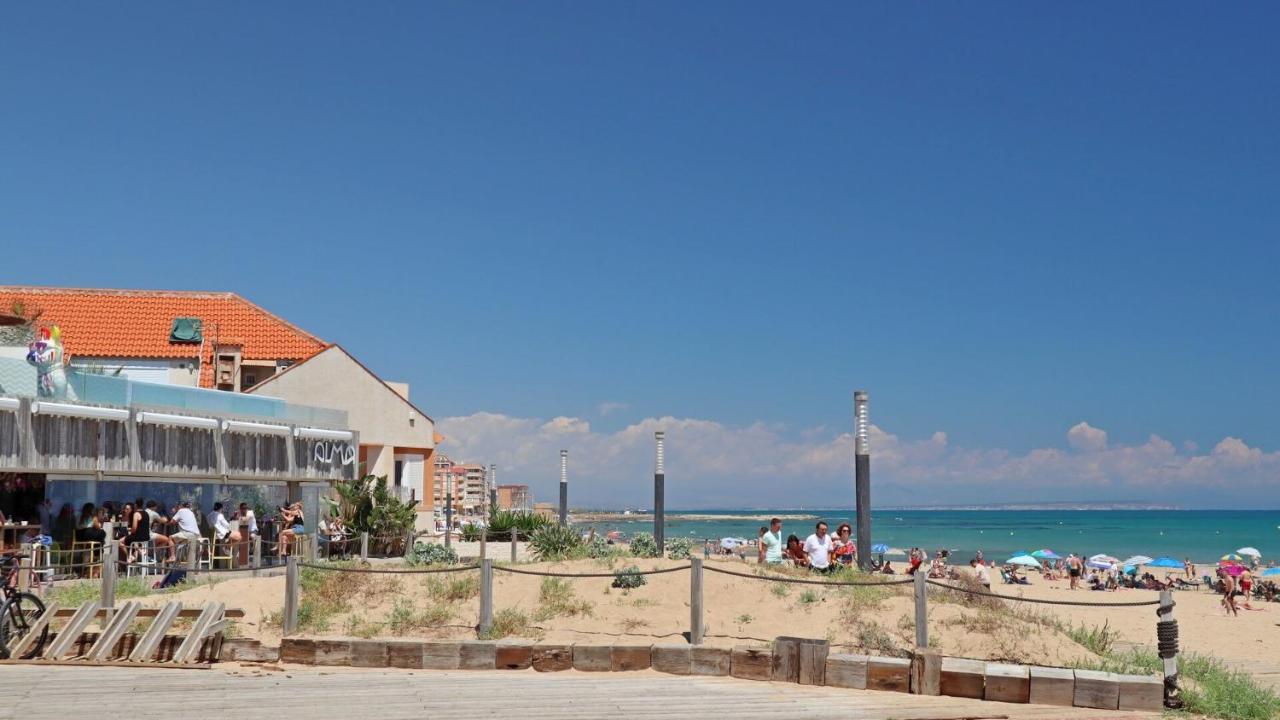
741	610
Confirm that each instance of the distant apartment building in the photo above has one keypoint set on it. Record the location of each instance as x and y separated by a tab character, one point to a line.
468	483
513	497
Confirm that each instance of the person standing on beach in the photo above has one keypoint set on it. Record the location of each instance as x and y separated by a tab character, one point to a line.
1228	592
1075	568
818	547
771	543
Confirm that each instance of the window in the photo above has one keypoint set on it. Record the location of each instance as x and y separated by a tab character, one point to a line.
399	472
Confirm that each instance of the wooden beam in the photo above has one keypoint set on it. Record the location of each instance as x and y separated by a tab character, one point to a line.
146	647
187	650
233	613
70	633
110	635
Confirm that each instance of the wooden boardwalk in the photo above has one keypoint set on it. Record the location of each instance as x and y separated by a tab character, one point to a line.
57	693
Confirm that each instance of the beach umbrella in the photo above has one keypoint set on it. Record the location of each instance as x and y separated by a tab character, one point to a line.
728	543
1230	559
880	548
1046	554
1018	553
1271	572
1025	560
1141	560
1250	551
1233	569
1099	564
1165	561
1103	558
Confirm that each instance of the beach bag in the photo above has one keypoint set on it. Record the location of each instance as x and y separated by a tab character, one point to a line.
173	577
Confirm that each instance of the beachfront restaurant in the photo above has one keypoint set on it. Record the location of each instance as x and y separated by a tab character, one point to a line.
98	438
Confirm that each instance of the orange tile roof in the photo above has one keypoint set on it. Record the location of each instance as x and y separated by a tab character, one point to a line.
136	324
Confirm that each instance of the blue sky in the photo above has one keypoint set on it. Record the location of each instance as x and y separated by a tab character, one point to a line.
1002	221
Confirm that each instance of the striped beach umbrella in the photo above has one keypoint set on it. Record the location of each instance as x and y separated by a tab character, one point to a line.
1231	559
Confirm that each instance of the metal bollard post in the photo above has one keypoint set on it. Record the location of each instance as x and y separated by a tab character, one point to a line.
695	601
922	609
484	537
1167	648
364	545
486	597
291	596
515	544
257	554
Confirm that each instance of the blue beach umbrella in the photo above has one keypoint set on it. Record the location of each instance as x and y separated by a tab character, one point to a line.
1165	562
1271	572
1025	560
1046	554
880	548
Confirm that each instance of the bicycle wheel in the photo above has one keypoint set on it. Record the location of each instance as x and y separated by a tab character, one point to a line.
17	615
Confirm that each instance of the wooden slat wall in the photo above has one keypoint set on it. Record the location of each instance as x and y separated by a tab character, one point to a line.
266	455
65	443
177	450
10	449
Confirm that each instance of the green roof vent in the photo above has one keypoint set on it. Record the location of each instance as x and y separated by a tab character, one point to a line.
185	330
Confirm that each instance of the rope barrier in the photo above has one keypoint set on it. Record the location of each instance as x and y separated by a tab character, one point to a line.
158	569
370	571
801	581
1011	598
540	573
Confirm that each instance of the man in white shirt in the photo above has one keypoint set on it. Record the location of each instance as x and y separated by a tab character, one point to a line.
223	532
188	532
980	572
818	547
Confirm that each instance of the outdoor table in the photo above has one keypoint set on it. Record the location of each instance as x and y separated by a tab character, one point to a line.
16	531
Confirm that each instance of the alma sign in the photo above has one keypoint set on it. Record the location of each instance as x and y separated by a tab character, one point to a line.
331	453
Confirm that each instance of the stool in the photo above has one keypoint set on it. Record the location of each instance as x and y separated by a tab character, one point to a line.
141	556
88	552
225	547
205	557
41	558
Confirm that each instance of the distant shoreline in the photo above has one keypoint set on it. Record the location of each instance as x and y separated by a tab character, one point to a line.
802	513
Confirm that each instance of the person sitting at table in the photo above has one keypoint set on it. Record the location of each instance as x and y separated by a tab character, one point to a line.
137	530
158	537
292	524
223	530
64	526
188	535
89	526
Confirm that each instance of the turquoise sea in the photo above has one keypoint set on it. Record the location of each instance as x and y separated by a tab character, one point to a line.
1202	535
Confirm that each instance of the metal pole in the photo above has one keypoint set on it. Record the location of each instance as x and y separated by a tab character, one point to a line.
290	595
922	609
1167	648
492	493
486	597
564	487
448	507
862	477
515	541
660	494
484	540
695	601
364	545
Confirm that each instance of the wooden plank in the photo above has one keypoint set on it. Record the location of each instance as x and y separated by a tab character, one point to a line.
592	658
20	648
786	659
1141	692
187	650
146	647
81	663
671	658
752	663
926	672
111	634
813	662
70	633
630	657
1052	686
1007	683
961	677
696	628
846	671
144	613
704	660
885	673
1097	690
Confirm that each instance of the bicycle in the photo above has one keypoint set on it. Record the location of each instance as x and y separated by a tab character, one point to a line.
19	611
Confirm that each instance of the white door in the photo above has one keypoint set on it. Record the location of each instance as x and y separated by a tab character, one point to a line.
411	476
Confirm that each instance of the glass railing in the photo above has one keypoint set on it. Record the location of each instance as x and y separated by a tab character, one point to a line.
18	379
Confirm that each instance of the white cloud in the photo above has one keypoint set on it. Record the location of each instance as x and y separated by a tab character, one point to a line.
606	408
712	464
1083	436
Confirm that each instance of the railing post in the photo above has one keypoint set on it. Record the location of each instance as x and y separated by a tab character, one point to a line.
109	555
484	538
922	609
1167	647
364	545
695	601
486	597
26	567
313	547
408	542
257	554
515	544
290	622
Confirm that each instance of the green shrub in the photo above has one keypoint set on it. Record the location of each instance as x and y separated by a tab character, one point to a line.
643	545
522	522
471	533
432	554
628	577
556	598
598	548
679	548
555	542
